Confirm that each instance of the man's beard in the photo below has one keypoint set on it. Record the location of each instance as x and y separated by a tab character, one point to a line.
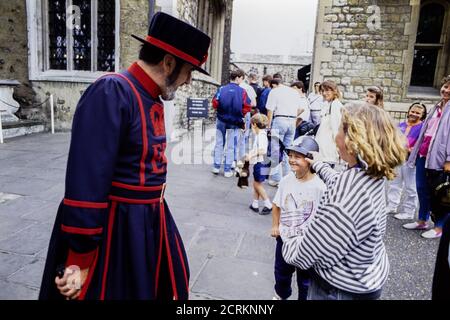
170	88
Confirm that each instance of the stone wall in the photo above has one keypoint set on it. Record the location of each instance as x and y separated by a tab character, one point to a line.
201	87
13	40
261	64
187	11
133	20
356	54
14	51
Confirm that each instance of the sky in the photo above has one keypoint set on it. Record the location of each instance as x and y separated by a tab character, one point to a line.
284	27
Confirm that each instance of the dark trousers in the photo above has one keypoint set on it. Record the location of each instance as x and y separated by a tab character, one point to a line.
283	276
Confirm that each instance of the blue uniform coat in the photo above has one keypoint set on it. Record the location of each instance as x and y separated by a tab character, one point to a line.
113	218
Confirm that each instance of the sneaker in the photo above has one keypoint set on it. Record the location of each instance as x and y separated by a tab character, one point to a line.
215	170
254	209
228	174
265	211
273	183
431	234
403	216
415	226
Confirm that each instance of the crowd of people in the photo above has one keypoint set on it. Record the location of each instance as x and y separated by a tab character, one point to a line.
115	238
339	170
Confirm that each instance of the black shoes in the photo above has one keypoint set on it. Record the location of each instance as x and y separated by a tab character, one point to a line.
265	211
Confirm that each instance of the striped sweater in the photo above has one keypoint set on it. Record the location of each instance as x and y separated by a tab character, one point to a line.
344	243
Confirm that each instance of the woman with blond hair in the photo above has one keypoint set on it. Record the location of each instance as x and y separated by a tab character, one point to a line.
344	243
329	123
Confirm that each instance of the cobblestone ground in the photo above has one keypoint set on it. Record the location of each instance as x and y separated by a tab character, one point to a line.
230	251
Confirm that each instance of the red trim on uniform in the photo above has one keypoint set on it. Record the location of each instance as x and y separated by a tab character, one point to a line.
82	260
136	188
180	54
85	204
158	263
91	271
182	262
143	123
134	201
169	256
144	79
82	231
112	214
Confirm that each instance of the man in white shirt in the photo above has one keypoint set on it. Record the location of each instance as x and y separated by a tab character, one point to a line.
283	107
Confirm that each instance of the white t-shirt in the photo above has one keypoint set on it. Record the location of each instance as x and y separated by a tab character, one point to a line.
316	101
304	104
260	142
298	201
284	101
250	92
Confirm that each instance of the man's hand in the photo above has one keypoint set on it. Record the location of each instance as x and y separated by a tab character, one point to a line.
71	283
447	166
275	232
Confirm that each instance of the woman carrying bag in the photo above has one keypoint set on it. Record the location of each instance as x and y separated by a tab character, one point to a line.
329	124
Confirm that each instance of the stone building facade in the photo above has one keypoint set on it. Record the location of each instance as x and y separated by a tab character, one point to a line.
263	64
35	43
402	46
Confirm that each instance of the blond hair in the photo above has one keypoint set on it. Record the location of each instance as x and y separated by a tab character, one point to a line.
260	120
371	135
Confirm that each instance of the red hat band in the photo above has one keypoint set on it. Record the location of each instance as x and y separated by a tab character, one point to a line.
167	47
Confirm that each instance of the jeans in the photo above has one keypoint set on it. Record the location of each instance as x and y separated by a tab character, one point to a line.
225	133
405	183
284	129
426	181
423	190
316	292
283	276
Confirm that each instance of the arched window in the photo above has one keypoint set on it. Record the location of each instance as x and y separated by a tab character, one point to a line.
428	44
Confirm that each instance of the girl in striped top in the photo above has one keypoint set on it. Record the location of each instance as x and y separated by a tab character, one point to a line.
344	244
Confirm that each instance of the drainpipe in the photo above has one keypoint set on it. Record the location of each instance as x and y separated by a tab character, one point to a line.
151	10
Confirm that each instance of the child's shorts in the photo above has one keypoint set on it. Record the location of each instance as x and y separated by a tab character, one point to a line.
260	172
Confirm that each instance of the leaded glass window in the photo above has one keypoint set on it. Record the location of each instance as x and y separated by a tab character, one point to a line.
84	43
57	35
106	35
82	37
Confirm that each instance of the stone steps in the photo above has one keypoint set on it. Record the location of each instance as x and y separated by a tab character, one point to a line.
18	128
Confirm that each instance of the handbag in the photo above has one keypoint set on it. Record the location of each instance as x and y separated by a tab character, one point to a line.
442	198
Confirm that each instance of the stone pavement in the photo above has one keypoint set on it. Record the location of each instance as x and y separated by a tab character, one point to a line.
230	251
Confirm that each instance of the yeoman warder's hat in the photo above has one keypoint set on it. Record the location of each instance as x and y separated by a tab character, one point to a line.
179	39
305	147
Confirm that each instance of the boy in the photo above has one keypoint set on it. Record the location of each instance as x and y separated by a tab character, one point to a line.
294	206
256	155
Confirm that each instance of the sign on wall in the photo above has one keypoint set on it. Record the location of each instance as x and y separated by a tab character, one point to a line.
197	108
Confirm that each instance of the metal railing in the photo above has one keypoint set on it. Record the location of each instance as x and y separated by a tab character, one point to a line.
398	116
